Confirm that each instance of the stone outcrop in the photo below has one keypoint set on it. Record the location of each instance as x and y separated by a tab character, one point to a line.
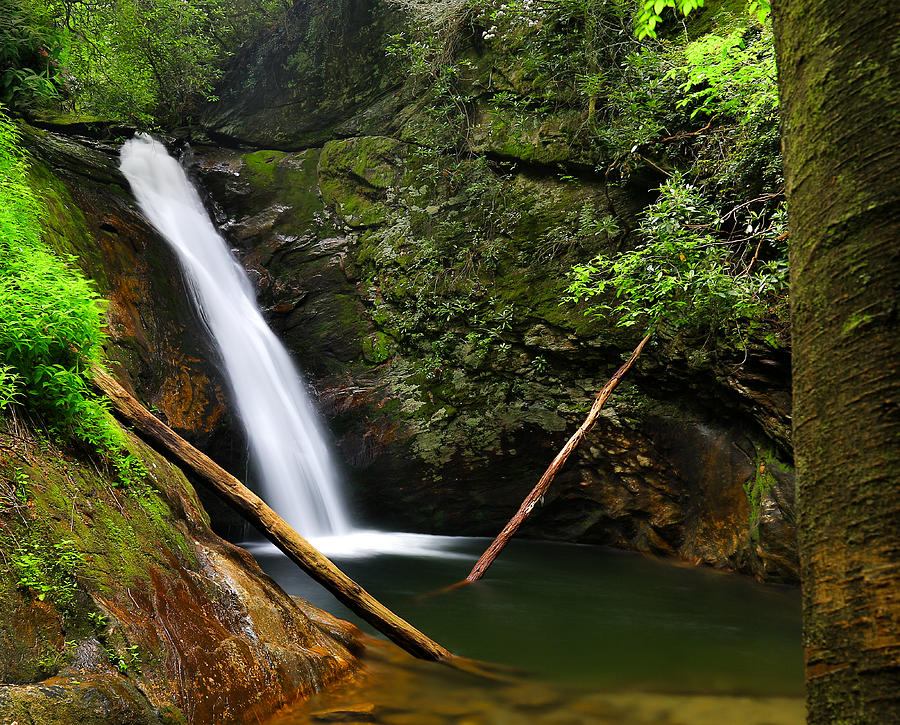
293	87
121	606
420	286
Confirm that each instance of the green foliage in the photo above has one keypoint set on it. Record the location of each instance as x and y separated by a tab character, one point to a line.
49	571
52	658
563	49
419	53
728	75
684	270
757	489
708	254
10	385
14	490
648	16
30	52
126	660
52	322
137	60
724	80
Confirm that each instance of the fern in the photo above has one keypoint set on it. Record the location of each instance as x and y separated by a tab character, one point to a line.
52	321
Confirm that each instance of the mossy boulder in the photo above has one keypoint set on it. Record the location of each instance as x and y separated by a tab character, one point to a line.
354	175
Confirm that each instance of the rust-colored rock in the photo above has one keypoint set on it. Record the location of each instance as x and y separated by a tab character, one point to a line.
160	620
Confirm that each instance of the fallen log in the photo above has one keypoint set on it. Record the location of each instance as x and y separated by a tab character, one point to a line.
276	529
487	558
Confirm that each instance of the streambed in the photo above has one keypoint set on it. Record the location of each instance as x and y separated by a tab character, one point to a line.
599	635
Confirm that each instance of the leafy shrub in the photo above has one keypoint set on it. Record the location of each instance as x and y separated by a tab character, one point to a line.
52	319
49	571
30	48
684	271
140	60
10	384
648	14
710	254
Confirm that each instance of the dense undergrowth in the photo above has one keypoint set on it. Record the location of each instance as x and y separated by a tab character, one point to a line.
52	323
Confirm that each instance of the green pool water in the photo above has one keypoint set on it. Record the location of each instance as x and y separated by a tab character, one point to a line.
587	617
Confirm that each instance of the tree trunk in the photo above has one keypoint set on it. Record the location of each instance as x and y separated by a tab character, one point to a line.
487	558
838	79
255	510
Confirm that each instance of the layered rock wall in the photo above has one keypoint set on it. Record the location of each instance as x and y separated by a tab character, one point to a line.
412	247
448	400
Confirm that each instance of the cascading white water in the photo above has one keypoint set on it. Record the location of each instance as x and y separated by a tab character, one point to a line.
297	476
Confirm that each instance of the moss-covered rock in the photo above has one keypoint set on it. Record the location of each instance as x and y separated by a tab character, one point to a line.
121	603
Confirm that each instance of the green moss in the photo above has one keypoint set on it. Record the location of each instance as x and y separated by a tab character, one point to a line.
114	537
378	347
263	164
855	321
65	228
354	175
281	178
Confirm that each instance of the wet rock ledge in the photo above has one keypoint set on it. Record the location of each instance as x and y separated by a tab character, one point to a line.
121	606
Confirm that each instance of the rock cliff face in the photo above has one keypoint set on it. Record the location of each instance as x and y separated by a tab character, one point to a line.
294	87
447	413
155	338
121	605
420	288
417	286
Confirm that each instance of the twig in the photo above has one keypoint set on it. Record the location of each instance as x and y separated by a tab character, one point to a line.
688	133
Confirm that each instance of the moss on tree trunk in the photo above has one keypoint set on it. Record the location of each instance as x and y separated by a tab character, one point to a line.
839	66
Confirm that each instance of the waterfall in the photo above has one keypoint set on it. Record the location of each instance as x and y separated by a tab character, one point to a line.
287	446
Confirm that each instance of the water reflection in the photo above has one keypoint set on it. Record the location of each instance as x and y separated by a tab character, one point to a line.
394	689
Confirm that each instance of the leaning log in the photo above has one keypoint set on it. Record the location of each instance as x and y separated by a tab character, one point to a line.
487	558
276	529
